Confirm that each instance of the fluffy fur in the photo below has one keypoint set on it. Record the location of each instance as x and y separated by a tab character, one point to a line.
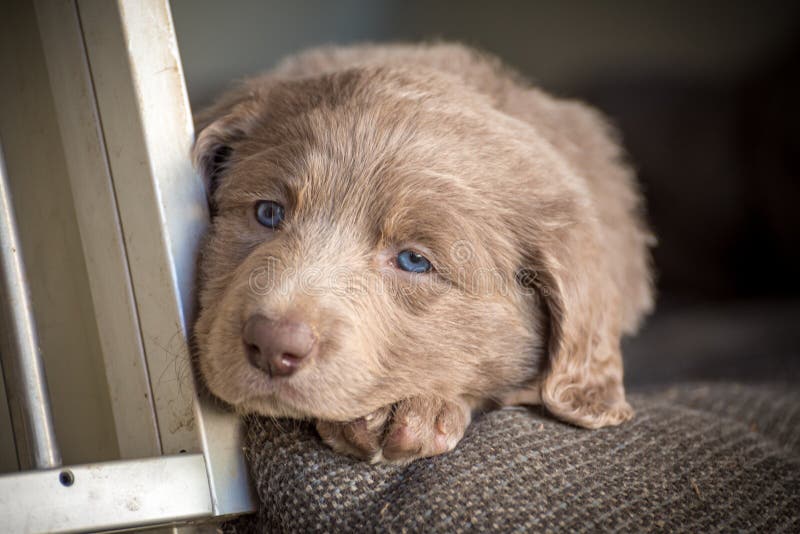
520	201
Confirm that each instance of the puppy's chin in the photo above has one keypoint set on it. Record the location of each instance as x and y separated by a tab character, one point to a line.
266	398
281	405
249	391
272	407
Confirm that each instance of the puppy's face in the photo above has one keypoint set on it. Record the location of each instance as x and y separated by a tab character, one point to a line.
364	249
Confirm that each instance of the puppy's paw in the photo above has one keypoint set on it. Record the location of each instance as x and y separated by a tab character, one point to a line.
361	438
423	427
411	429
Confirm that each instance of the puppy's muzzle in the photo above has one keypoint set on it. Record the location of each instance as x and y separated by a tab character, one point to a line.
279	348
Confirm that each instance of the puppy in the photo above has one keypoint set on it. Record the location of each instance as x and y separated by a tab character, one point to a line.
403	234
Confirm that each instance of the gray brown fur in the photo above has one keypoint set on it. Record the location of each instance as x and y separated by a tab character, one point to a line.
377	148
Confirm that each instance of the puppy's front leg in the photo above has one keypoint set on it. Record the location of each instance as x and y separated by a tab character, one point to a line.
410	429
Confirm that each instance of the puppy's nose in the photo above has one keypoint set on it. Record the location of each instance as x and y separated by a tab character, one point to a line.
277	347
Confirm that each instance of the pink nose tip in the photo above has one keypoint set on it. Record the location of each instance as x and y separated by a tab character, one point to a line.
278	347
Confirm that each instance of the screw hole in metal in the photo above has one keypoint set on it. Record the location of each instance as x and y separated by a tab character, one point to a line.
66	478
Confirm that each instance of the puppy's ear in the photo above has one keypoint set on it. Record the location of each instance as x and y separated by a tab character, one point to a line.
218	128
583	380
569	255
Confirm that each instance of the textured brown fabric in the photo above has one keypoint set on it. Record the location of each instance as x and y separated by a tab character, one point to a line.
696	458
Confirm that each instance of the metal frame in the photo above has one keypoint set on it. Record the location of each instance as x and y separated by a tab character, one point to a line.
23	370
126	126
111	495
101	231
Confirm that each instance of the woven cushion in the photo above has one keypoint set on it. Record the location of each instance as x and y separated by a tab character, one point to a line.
696	457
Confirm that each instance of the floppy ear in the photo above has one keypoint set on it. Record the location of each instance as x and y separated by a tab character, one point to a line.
581	264
583	381
584	246
219	127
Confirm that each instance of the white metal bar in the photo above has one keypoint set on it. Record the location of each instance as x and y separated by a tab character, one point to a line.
47	224
221	435
101	233
126	125
148	131
23	370
105	496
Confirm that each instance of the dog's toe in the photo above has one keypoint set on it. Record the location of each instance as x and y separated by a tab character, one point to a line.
411	429
360	438
424	427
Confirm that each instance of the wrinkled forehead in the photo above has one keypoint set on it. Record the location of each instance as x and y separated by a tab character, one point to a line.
393	193
392	164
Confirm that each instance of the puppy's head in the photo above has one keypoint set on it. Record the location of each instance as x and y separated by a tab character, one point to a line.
380	234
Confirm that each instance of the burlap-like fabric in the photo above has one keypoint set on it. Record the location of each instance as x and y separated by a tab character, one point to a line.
696	458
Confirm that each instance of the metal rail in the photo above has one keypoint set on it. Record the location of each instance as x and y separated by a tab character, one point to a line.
106	496
126	129
23	369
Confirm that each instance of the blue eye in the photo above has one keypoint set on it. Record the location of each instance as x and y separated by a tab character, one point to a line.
269	213
410	261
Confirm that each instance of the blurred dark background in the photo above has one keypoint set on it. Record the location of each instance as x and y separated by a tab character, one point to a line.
706	95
